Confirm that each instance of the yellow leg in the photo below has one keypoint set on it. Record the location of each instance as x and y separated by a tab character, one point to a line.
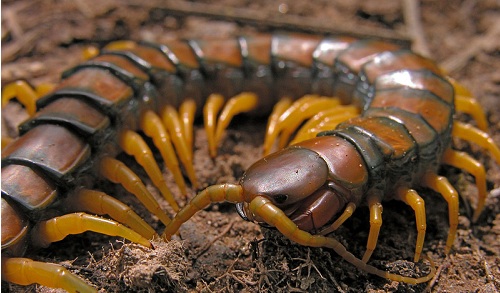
302	109
172	123
90	52
411	198
349	210
441	185
210	110
279	126
463	161
6	140
324	120
116	172
56	229
272	215
100	203
187	111
472	134
44	88
241	103
471	106
121	45
216	193
24	93
153	127
24	271
466	103
263	209
375	206
133	144
272	131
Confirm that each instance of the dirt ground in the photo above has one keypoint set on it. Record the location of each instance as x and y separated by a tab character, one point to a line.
216	250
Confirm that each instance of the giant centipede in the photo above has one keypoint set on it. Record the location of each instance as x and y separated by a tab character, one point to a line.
384	134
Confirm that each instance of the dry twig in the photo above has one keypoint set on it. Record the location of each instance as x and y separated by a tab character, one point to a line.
487	41
411	11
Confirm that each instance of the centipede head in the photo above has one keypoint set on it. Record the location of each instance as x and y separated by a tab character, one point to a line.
297	181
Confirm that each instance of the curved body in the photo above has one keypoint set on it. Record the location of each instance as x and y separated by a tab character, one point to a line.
405	126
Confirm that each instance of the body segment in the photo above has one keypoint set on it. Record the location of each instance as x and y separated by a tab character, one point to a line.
306	190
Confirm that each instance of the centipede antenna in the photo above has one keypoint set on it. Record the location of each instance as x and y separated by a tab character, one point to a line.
393	131
274	216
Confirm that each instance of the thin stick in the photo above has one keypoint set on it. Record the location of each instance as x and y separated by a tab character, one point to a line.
207	246
411	11
486	41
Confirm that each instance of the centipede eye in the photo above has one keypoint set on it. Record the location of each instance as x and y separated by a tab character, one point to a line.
280	198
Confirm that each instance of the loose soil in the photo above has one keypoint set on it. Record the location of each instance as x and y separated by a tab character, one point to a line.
217	251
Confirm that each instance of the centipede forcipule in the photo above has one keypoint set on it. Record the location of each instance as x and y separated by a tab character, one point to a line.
194	44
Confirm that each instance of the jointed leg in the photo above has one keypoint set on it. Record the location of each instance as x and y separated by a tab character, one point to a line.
324	120
210	110
349	210
6	140
25	94
472	134
216	193
116	172
441	185
375	205
177	131
463	161
187	111
411	198
241	103
97	202
272	129
465	102
133	144
296	113
56	229
24	271
290	118
263	208
301	110
153	127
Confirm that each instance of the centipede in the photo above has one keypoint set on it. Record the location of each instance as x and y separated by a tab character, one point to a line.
352	122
